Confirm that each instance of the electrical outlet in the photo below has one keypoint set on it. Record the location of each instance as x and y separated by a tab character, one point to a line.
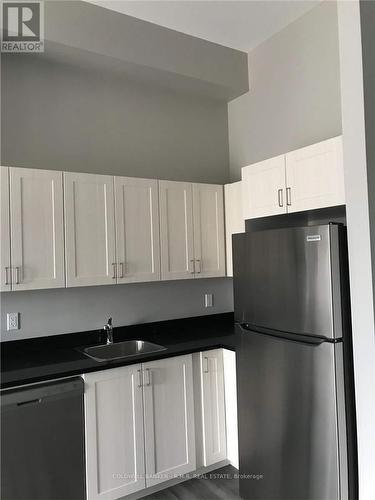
208	300
13	321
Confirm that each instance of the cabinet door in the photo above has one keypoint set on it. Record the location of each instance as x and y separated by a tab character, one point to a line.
5	271
169	418
114	433
137	229
37	234
263	188
234	221
209	246
89	229
315	176
213	406
176	230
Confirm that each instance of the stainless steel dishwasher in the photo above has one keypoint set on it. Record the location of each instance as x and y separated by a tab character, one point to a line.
42	441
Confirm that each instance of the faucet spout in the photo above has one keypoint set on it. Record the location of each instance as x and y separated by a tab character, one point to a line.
108	328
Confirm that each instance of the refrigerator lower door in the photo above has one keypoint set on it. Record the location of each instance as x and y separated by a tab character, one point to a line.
289	420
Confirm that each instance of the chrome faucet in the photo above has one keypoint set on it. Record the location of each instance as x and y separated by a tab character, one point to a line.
108	328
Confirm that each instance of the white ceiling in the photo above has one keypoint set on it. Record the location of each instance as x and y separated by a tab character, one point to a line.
238	24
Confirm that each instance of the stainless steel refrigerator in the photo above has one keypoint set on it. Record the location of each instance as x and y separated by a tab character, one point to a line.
295	381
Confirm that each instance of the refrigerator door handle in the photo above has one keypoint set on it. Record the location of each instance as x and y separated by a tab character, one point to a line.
293	337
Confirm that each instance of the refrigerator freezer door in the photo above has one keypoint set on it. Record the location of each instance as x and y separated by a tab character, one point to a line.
283	280
287	419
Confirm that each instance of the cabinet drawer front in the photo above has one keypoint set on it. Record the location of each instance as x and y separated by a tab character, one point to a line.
114	433
37	237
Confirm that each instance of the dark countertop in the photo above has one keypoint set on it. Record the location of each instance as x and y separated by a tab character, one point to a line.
43	358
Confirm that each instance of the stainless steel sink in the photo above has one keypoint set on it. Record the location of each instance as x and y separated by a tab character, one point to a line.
108	352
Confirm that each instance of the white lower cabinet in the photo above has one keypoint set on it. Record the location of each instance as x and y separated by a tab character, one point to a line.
150	423
114	433
169	418
210	407
139	426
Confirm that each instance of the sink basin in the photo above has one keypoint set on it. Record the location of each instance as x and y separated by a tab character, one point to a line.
119	350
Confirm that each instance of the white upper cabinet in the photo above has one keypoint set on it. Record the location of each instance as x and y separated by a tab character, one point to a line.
209	247
169	418
89	229
117	229
114	433
176	230
263	188
305	179
191	230
234	219
37	235
137	230
315	176
5	277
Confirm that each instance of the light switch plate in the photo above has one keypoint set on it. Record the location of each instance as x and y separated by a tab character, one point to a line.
208	300
13	321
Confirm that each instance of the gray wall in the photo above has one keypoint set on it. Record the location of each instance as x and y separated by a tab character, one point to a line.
58	116
146	45
294	97
67	116
78	309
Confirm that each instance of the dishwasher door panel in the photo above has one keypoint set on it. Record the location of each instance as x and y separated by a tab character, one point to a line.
42	442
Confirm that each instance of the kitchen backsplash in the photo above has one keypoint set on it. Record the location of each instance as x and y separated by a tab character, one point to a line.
67	310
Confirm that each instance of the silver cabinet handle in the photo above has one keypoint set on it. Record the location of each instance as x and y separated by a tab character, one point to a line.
192	261
140	384
18	275
206	368
122	267
148	378
7	281
280	197
289	196
114	273
198	261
